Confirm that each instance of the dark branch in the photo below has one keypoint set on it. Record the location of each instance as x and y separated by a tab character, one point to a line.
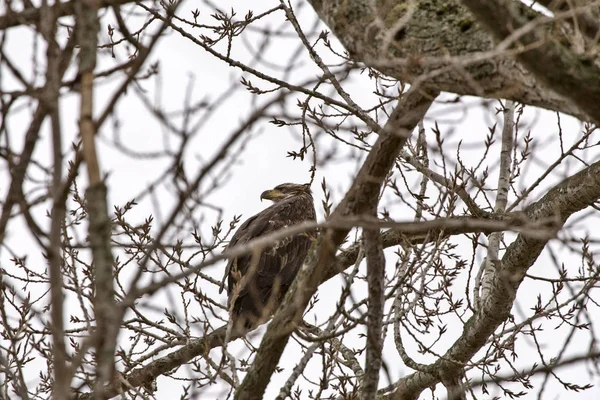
361	197
376	284
33	15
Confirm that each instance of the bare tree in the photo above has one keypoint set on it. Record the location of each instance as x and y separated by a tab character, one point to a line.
452	146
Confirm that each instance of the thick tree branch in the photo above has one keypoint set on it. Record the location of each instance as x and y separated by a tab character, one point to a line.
573	76
416	48
463	60
362	195
570	196
18	173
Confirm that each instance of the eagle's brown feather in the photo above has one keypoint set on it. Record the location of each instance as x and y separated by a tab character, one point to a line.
261	287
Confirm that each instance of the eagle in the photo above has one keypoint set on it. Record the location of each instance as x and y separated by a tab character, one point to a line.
256	283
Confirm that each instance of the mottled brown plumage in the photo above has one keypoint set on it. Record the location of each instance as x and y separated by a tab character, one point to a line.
265	283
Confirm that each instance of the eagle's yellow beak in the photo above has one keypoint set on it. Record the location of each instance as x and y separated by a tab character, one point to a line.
271	194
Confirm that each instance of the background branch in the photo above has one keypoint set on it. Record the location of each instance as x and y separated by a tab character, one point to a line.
60	387
504	177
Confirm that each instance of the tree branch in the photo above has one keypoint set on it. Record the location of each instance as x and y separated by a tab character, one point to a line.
60	384
357	24
573	76
407	234
107	319
376	284
486	272
362	195
464	60
33	15
585	22
570	196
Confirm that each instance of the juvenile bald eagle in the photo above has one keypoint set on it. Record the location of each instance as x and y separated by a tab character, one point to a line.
268	276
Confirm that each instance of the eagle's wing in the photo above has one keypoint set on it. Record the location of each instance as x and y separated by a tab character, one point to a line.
243	234
274	270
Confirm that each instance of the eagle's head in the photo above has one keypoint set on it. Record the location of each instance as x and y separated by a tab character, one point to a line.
285	191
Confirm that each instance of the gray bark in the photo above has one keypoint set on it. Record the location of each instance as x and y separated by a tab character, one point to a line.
442	42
